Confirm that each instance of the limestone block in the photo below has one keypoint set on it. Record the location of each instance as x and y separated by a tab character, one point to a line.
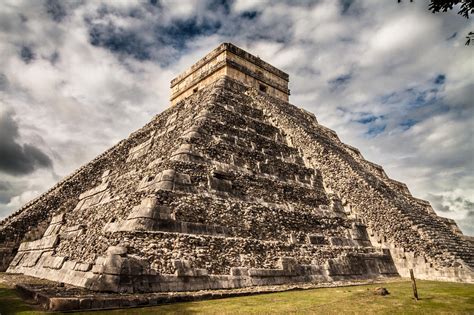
83	267
155	163
168	175
16	260
165	213
165	185
142	211
116	250
112	227
57	219
105	174
140	150
72	231
316	239
184	269
106	283
288	264
346	266
137	224
48	242
31	258
340	241
52	229
239	271
171	119
148	181
113	264
292	239
54	262
69	265
359	232
259	272
93	191
98	266
219	184
184	179
184	148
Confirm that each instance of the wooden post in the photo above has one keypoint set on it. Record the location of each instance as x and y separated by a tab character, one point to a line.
413	284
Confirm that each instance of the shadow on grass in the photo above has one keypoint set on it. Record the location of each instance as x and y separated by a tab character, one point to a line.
12	303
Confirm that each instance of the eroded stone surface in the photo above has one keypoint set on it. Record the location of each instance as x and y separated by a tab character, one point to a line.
230	188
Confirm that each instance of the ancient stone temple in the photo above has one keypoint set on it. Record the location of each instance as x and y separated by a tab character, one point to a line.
231	186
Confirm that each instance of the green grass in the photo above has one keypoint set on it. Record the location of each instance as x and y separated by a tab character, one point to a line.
435	298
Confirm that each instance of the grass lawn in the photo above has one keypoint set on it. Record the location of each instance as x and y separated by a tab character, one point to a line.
435	298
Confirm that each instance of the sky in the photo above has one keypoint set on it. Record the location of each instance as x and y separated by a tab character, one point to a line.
394	80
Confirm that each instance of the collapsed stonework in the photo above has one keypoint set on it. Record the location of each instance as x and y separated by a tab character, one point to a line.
230	187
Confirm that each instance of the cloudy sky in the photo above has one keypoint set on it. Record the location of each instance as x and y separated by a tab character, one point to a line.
392	79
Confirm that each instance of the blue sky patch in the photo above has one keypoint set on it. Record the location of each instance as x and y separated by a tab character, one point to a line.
408	123
367	119
376	130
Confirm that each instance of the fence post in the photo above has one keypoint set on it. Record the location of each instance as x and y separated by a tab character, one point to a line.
413	284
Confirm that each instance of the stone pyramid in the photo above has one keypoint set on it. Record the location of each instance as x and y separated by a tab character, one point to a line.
230	187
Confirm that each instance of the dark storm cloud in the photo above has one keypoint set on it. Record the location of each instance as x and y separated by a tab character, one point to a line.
27	54
437	203
440	79
132	42
17	159
340	82
4	189
7	191
55	10
345	5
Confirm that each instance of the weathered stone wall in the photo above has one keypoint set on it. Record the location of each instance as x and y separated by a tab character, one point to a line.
229	60
213	185
386	206
232	187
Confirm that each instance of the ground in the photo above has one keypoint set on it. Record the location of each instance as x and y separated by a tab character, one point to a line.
435	298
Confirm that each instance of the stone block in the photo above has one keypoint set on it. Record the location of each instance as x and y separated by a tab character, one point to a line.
17	259
52	229
31	258
69	265
114	264
106	283
316	239
239	272
48	242
359	232
57	219
83	267
168	175
116	250
142	211
94	191
164	185
220	184
54	262
183	179
63	304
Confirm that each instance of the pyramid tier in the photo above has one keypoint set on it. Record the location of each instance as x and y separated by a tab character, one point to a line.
230	183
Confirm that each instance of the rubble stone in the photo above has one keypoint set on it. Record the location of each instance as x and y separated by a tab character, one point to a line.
230	187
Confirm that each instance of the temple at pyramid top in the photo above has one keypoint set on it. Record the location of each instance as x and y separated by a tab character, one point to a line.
229	60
